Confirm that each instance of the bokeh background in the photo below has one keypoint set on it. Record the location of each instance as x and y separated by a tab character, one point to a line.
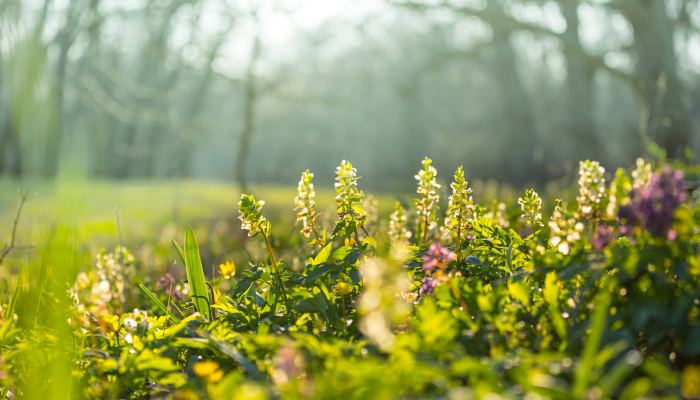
255	91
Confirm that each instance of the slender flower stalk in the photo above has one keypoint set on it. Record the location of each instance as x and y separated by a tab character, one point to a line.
564	230
349	199
398	221
591	188
641	175
252	220
460	209
305	205
531	207
428	201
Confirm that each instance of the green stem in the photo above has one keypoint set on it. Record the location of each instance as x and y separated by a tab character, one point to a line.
424	236
275	265
459	242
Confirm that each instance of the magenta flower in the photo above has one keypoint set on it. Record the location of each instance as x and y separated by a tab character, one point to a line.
167	283
437	256
653	206
428	286
602	237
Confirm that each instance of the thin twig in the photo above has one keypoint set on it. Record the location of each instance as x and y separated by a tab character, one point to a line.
24	197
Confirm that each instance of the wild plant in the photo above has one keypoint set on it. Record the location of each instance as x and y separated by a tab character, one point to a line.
460	210
427	203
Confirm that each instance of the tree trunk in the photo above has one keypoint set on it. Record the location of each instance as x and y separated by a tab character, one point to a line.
665	116
518	120
250	99
580	74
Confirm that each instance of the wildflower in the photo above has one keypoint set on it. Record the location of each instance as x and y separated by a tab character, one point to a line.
289	364
564	230
531	207
398	221
603	235
208	370
251	216
130	325
371	207
305	204
343	288
437	257
227	270
428	286
641	174
460	207
168	284
428	201
654	205
348	197
591	187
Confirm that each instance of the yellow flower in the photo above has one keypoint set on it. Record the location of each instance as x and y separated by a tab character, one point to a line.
227	270
208	370
690	382
343	288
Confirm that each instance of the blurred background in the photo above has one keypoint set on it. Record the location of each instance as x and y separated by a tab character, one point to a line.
256	91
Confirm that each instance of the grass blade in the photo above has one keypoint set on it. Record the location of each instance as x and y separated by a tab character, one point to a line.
195	275
155	300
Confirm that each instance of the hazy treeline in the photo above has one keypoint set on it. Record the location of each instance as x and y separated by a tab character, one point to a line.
260	90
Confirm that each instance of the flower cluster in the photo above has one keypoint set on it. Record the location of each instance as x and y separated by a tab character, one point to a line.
435	262
101	291
653	206
591	188
135	322
371	207
305	204
398	220
460	207
641	174
227	270
168	284
531	208
437	257
428	201
603	236
348	197
250	215
564	230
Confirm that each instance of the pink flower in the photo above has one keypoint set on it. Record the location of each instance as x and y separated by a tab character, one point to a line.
437	256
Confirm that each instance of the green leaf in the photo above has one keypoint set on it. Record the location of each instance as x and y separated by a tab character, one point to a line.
322	255
521	292
582	377
156	301
195	274
179	251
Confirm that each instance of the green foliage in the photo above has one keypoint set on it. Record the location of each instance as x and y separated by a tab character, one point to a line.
613	314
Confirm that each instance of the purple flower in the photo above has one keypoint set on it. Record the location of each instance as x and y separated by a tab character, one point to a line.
167	283
653	206
437	256
602	237
428	286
